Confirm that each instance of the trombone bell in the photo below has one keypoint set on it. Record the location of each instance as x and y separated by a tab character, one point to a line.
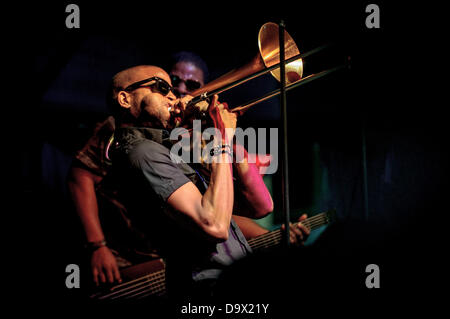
269	48
269	55
267	60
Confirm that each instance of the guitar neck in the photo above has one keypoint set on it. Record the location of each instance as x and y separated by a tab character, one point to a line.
274	238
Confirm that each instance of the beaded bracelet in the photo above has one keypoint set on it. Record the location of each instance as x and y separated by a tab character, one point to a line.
220	150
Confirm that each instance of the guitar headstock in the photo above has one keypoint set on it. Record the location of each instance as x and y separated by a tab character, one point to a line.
320	219
330	215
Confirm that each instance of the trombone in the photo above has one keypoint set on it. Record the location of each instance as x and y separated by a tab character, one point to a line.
267	60
276	58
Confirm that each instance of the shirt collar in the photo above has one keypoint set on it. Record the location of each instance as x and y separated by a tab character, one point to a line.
160	136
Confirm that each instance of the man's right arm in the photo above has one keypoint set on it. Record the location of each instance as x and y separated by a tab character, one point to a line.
81	183
82	189
212	211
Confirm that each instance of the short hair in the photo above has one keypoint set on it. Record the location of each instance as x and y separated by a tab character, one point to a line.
188	56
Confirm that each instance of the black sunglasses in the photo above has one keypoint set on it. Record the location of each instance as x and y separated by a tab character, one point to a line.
160	85
191	85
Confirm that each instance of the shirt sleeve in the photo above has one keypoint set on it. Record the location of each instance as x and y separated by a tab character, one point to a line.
154	162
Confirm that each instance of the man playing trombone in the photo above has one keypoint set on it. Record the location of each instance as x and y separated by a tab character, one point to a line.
190	222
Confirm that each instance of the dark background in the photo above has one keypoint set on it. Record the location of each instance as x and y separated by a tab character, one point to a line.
379	99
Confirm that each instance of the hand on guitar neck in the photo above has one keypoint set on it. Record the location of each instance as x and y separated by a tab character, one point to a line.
274	237
298	232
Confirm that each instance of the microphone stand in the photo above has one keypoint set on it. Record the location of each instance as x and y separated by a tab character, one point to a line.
285	170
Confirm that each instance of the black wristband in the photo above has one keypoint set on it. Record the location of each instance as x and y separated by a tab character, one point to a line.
94	245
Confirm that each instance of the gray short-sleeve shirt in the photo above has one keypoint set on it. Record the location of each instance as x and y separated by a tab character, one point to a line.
149	176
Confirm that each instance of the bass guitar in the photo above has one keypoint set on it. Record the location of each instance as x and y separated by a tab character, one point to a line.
149	278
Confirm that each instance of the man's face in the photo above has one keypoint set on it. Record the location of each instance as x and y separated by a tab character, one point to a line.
186	78
150	106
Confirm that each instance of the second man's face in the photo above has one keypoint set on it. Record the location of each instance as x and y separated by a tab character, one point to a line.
186	78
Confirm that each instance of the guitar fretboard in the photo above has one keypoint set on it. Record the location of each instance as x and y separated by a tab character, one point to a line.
274	238
153	284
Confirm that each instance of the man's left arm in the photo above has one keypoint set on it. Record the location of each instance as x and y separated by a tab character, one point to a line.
254	199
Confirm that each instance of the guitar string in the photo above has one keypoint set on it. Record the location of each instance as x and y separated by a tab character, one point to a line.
156	274
307	222
311	221
141	295
278	233
135	292
144	287
275	234
145	292
274	240
154	288
124	289
139	280
121	287
160	292
144	281
271	241
264	236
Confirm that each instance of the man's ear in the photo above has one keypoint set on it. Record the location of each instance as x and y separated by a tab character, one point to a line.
123	98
